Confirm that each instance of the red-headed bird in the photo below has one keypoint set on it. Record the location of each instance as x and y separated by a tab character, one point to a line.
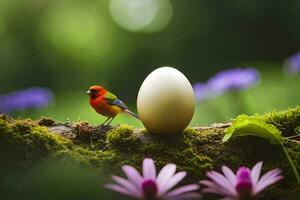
107	104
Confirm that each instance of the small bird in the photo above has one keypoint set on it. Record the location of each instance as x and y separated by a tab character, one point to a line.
107	104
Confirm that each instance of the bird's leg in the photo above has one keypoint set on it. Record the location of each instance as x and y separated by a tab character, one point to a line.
110	121
105	121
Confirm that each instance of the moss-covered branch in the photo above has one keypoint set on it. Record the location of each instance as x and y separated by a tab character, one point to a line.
196	150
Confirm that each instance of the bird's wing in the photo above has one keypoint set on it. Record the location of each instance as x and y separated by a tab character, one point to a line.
113	100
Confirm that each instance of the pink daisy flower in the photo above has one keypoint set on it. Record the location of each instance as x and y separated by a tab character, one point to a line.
245	184
150	186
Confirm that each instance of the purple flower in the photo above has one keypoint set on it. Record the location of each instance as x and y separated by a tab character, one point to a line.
292	64
34	97
245	184
200	91
233	79
151	187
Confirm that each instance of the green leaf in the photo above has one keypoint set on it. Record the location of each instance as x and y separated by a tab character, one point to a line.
245	125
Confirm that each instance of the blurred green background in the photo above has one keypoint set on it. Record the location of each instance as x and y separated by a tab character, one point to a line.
69	45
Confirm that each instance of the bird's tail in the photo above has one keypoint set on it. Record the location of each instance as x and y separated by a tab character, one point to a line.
131	113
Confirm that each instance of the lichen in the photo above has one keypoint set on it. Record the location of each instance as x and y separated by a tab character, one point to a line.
195	151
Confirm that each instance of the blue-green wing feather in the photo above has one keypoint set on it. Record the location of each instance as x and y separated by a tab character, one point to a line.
118	103
113	100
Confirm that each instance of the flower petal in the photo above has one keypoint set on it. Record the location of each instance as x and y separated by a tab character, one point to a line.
255	173
131	187
220	180
268	179
214	188
229	175
133	175
182	190
165	174
171	183
268	183
149	170
119	189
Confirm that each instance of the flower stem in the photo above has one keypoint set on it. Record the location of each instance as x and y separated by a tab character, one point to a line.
291	162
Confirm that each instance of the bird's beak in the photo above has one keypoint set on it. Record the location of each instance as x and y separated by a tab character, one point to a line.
88	92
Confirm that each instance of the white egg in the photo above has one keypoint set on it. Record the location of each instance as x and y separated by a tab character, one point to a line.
166	101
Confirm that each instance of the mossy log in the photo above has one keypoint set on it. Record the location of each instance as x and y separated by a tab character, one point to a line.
22	142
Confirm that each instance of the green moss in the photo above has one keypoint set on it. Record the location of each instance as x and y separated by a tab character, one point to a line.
122	138
286	121
24	141
194	151
132	147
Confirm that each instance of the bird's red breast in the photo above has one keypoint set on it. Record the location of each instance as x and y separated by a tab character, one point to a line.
102	107
100	103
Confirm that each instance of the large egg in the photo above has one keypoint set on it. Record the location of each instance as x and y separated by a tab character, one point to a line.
166	101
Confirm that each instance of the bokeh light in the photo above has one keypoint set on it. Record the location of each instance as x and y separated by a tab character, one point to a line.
77	30
141	15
